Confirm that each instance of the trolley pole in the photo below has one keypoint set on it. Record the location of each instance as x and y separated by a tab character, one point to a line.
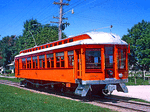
60	17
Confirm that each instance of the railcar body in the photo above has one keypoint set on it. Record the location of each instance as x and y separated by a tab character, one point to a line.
95	60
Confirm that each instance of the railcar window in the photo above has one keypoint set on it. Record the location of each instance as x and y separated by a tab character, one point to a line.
55	44
109	57
60	43
35	62
65	41
70	59
60	59
70	40
42	61
93	58
50	61
121	58
23	63
29	62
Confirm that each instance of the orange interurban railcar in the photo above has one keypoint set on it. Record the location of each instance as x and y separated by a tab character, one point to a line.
94	62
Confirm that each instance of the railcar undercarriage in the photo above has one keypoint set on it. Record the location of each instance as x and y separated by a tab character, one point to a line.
78	89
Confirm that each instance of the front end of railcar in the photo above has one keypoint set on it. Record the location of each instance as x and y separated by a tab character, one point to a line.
106	66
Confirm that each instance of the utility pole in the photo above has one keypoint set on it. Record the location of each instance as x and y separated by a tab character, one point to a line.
60	17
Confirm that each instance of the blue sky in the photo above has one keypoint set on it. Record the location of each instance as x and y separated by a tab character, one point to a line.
89	14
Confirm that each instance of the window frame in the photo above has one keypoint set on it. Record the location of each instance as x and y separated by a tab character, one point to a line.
94	70
119	58
23	63
41	59
106	59
60	61
29	63
70	61
50	60
35	62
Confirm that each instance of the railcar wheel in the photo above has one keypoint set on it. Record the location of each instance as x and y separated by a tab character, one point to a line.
22	83
26	84
105	92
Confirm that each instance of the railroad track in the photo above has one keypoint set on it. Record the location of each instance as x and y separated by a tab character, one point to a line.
10	83
130	105
109	101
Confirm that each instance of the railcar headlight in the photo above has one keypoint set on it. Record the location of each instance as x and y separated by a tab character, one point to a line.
120	75
110	72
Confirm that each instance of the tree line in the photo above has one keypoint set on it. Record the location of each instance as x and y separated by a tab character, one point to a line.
138	37
10	46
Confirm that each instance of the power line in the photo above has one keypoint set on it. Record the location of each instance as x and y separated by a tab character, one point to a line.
98	4
75	5
17	15
21	18
15	25
41	11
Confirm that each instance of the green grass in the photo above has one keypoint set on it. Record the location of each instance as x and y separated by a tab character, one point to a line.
10	79
12	74
13	99
129	83
140	100
139	81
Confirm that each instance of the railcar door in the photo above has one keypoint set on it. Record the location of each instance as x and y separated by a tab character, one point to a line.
78	64
17	66
109	62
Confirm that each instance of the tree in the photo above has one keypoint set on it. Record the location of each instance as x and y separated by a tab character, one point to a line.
12	45
1	61
47	33
8	49
139	38
41	33
29	32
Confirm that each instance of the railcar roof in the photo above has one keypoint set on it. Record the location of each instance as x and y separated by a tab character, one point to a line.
106	38
96	38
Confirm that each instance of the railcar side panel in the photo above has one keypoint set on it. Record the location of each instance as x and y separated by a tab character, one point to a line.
94	76
61	75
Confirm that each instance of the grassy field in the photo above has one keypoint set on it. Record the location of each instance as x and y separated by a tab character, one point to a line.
139	81
12	74
13	99
140	100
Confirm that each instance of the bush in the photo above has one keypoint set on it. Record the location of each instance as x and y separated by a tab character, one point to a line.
12	74
139	81
8	71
